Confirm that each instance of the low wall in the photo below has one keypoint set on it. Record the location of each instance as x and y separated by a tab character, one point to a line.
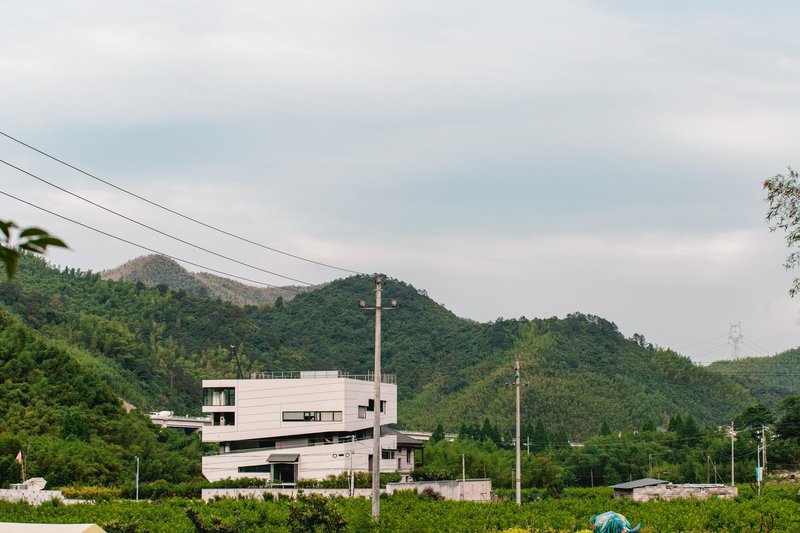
673	492
210	494
31	497
474	490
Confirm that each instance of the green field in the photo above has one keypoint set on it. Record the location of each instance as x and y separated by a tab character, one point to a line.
779	506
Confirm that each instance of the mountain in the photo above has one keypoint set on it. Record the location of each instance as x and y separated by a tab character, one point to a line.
153	346
154	270
769	379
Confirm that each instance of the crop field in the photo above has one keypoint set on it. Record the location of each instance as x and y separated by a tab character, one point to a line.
778	509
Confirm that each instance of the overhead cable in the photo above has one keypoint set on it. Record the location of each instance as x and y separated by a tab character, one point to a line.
151	228
150	249
177	213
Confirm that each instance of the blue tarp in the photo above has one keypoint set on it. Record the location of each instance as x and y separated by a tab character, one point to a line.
611	522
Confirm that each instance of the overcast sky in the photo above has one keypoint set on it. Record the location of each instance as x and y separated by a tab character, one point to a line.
511	158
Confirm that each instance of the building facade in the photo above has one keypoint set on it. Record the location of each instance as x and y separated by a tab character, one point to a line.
299	425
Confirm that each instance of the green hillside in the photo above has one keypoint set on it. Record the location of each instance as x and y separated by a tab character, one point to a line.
69	422
769	379
154	345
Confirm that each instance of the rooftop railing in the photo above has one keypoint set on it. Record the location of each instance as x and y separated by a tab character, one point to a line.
323	374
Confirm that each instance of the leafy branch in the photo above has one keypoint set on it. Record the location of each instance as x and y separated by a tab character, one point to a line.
35	240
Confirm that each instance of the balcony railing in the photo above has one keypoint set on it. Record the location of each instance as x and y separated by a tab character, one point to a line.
323	374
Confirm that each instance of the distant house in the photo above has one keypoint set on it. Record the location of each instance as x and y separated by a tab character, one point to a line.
657	489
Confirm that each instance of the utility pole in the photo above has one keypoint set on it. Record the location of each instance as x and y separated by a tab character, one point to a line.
528	445
463	475
235	355
137	478
518	480
708	469
650	465
761	457
732	434
376	431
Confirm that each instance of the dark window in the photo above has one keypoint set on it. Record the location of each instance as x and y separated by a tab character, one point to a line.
224	419
213	396
371	406
387	454
255	468
312	416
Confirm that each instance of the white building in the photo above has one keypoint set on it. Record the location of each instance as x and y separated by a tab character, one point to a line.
299	425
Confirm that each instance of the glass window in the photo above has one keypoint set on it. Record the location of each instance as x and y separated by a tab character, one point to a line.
312	416
371	406
214	396
254	468
362	411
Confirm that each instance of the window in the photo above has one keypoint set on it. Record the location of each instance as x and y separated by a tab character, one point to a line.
387	454
362	411
312	416
214	396
371	406
224	419
255	469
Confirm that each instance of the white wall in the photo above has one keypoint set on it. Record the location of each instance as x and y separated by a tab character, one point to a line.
261	402
315	462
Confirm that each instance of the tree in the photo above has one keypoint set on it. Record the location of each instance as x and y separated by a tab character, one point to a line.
438	434
34	240
754	417
605	430
783	196
789	424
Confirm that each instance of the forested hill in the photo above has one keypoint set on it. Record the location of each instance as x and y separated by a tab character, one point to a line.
769	379
153	346
154	270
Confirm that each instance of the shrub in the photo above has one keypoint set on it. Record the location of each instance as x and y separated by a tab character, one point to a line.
314	513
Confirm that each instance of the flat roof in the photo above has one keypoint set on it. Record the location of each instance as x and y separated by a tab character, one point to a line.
283	458
638	483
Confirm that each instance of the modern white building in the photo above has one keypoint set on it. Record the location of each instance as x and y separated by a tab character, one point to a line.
300	425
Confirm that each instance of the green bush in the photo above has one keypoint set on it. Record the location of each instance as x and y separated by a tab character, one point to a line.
314	513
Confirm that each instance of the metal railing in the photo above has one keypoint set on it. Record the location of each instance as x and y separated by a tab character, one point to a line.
323	374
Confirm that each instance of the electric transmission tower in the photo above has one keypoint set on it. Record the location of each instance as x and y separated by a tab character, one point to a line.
734	338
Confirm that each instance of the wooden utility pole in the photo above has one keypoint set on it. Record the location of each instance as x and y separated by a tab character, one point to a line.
518	480
376	431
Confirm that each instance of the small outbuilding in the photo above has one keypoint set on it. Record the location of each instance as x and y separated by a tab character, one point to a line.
632	489
646	489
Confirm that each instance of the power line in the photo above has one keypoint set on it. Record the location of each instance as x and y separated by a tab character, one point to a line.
148	249
177	213
142	224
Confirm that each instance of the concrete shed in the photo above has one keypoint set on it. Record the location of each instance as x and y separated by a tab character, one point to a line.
646	489
633	488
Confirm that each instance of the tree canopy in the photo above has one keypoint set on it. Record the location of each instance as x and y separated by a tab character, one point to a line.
783	196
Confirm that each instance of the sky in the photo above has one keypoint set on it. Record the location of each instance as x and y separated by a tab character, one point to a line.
510	158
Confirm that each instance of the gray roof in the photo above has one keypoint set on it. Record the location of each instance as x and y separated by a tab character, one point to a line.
645	482
283	458
402	438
